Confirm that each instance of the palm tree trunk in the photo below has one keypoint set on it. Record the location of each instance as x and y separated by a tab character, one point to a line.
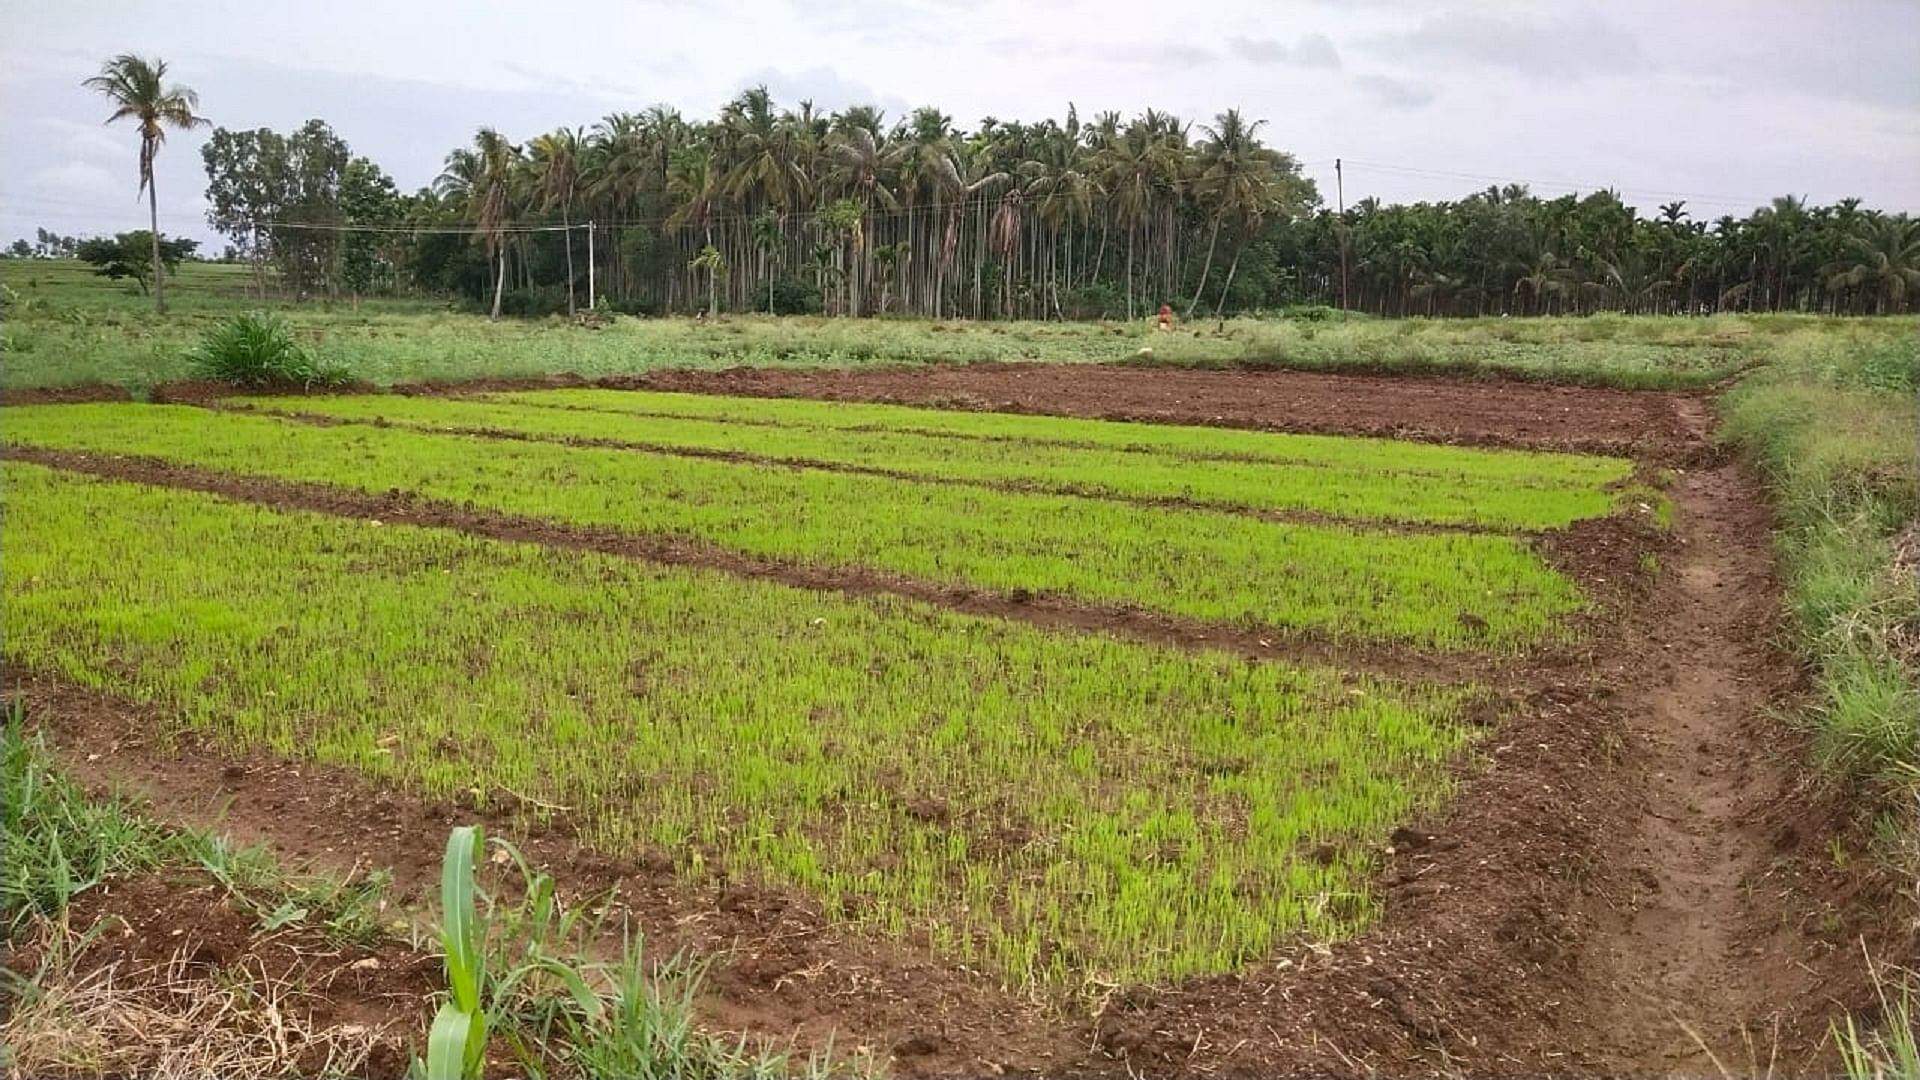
499	282
1227	285
159	271
1205	268
566	224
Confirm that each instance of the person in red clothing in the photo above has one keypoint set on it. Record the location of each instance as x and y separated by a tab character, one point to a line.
1166	317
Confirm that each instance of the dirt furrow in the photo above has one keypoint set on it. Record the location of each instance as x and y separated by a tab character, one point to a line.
1682	985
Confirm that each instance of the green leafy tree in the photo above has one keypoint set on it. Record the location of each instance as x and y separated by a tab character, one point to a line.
129	255
138	91
368	199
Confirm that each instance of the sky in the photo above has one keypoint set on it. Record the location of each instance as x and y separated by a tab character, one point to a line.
1723	103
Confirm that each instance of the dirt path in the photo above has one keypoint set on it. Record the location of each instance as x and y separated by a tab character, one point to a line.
1678	956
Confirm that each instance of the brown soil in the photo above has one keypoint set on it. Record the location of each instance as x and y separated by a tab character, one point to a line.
1492	412
150	920
64	395
1633	859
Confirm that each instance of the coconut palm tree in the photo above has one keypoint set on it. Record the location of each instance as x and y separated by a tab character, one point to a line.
479	177
138	89
714	265
1886	260
555	160
859	160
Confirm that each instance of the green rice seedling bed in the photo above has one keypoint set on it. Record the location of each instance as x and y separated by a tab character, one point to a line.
1453	591
1536	468
1545	499
1051	807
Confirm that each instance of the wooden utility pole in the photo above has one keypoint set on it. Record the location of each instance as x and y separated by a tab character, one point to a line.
1340	194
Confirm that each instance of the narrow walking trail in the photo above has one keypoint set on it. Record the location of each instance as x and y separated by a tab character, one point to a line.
1683	974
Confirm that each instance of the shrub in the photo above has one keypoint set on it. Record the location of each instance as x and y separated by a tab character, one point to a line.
260	350
1095	301
534	303
792	296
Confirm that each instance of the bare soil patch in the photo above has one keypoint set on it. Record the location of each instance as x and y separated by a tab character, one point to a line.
65	395
171	948
1486	412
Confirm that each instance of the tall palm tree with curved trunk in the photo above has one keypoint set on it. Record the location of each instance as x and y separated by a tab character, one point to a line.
1235	182
481	176
859	160
139	92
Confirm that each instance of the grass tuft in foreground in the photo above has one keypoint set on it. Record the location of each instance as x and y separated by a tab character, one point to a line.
259	350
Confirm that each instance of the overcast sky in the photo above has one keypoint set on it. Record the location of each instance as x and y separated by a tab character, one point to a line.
1724	104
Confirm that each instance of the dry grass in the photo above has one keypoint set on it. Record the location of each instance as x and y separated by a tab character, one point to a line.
169	1021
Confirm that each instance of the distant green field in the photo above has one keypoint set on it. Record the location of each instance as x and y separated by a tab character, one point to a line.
64	326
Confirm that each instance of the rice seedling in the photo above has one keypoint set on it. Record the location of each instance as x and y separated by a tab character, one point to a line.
1417	484
1048	807
1463	592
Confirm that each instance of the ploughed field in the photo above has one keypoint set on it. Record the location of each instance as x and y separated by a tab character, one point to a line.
1061	701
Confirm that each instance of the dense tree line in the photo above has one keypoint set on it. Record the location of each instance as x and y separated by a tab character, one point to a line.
789	210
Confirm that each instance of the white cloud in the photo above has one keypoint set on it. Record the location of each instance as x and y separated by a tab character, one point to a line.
79	180
1311	50
85	140
1569	44
1394	93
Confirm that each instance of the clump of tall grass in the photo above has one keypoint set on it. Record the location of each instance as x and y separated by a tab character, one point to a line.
1832	423
56	843
260	350
1890	1048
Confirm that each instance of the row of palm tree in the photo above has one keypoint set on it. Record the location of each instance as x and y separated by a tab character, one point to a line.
1008	220
1505	251
1065	218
